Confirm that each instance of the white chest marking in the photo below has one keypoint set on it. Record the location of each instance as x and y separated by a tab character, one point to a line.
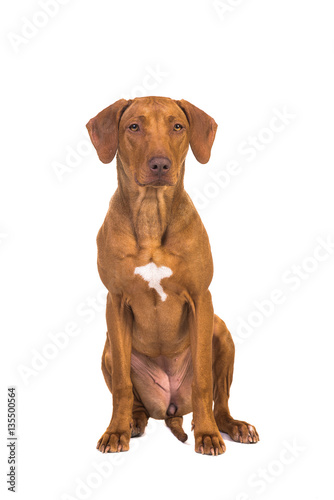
153	275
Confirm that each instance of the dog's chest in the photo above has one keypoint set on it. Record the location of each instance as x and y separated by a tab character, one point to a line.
156	275
153	274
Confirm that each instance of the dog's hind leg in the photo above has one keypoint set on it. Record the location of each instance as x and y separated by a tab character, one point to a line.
222	370
140	416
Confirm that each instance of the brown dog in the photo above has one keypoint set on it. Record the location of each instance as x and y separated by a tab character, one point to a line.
166	352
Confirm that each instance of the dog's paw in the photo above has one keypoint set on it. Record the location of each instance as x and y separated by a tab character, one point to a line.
239	431
139	422
209	444
113	442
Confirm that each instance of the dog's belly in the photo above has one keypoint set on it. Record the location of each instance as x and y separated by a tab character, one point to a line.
163	384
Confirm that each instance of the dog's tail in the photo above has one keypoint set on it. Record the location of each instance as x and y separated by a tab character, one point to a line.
175	425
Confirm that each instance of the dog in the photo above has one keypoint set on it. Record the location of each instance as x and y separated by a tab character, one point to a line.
166	353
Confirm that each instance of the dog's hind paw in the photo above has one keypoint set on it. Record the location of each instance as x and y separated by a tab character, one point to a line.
239	431
139	422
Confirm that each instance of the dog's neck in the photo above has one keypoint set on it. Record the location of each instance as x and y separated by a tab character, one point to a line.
149	208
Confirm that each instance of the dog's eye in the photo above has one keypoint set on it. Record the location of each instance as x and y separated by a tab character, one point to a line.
134	127
178	126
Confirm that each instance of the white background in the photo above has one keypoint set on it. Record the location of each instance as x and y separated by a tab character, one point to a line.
239	67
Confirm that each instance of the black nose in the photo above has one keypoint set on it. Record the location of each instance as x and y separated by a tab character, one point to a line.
159	165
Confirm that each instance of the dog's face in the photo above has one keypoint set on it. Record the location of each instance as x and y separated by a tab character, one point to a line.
153	141
152	136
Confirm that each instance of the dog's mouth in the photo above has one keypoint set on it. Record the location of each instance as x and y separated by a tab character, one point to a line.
155	182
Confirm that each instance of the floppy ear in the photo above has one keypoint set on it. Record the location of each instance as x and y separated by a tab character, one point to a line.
202	130
103	130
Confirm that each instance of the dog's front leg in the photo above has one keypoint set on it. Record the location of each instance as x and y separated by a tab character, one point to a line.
119	322
207	436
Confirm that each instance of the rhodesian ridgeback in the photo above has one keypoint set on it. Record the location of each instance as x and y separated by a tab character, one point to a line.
166	354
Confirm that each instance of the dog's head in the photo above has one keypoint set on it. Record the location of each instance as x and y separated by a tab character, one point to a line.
152	137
